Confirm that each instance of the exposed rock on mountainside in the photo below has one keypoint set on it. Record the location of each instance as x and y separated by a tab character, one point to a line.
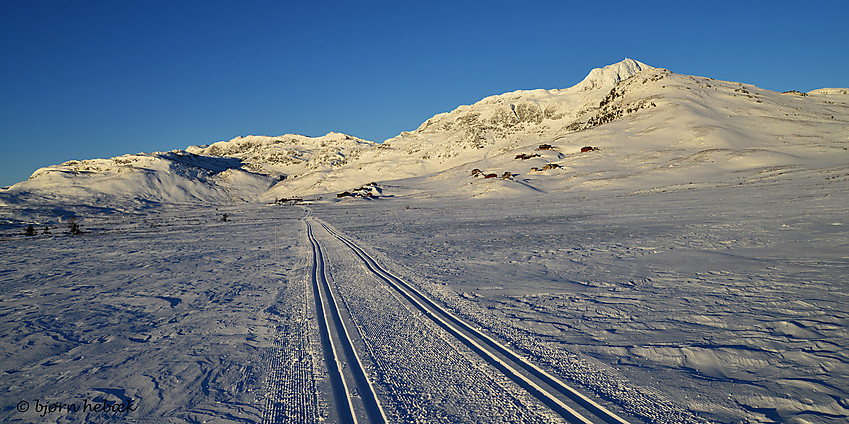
613	106
645	119
288	155
512	117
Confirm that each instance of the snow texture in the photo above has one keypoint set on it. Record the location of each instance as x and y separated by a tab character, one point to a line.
689	266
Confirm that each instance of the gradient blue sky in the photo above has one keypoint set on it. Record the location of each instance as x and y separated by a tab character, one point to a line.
96	79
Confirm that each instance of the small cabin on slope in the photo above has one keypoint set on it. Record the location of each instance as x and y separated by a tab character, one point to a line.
525	156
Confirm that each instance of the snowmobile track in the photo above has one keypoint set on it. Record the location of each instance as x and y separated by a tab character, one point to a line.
343	364
547	388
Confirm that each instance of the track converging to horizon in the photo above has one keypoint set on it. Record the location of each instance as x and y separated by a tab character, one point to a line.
347	374
354	395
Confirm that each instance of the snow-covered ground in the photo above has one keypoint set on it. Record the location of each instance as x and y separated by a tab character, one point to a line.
689	268
729	300
175	311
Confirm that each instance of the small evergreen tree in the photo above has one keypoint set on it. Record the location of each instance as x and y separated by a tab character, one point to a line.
46	230
224	218
74	227
30	231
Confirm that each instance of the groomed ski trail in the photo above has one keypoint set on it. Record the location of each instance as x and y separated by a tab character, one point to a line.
547	388
344	366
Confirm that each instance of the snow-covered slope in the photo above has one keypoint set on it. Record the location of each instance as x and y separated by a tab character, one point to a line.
654	130
610	75
131	182
238	170
288	156
474	133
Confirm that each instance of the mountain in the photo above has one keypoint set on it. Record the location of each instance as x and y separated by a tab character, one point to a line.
238	170
651	129
611	75
287	156
654	130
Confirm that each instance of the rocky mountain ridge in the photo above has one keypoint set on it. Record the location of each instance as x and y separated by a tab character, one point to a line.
647	122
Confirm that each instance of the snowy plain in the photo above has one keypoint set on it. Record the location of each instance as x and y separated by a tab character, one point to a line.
691	269
167	310
734	309
731	300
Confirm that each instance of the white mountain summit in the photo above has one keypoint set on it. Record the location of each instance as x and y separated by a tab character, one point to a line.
654	130
611	75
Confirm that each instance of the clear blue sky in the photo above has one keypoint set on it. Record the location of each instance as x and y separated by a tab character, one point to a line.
92	79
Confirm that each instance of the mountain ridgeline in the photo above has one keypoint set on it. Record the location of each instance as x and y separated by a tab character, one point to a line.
646	128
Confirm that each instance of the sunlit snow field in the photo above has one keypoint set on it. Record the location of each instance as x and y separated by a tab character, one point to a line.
731	300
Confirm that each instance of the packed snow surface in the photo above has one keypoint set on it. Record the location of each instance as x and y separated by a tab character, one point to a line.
731	300
675	247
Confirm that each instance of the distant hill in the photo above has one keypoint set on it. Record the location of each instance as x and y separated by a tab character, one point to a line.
648	129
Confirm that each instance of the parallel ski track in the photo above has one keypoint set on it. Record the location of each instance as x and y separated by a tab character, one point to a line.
532	378
335	355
